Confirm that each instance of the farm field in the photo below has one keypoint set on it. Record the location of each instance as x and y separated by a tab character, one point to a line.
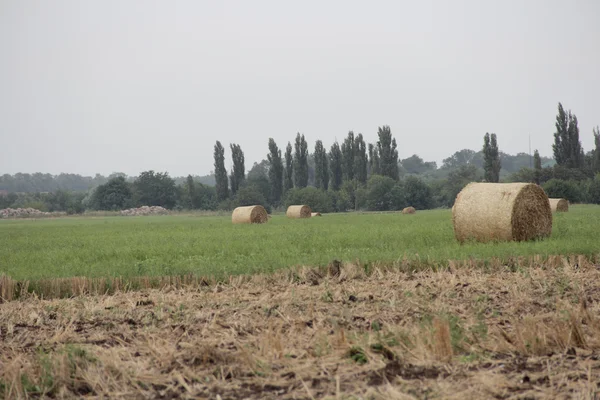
464	333
266	311
212	246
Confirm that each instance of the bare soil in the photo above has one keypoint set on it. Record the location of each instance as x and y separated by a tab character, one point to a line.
499	332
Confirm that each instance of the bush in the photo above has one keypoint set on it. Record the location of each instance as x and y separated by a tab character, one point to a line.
316	199
558	188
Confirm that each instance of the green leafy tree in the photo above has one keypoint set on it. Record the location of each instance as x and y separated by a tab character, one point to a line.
249	196
360	159
190	201
537	167
417	193
491	158
300	162
596	151
379	193
321	166
238	173
567	147
258	179
275	172
415	165
317	200
559	188
388	154
335	166
594	190
220	172
155	189
289	168
374	167
348	153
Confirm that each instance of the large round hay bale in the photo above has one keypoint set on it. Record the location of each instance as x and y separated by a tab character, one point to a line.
559	205
501	211
298	212
409	210
249	215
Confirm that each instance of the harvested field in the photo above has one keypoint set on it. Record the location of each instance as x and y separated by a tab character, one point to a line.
504	331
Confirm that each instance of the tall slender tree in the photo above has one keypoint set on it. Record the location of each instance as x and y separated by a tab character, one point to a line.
596	151
537	167
238	172
275	172
373	160
335	166
288	182
190	192
220	172
388	154
567	147
491	157
321	166
300	162
348	153
360	159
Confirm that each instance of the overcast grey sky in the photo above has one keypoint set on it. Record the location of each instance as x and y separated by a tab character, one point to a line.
124	85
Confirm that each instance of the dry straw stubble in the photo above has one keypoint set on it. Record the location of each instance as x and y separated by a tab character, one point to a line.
249	215
300	211
501	211
559	205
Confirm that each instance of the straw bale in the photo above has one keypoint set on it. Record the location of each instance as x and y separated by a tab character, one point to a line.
315	214
298	212
409	210
559	205
501	211
249	215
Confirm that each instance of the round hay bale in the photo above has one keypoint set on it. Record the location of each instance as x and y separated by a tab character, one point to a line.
409	210
501	211
249	215
315	214
559	205
298	212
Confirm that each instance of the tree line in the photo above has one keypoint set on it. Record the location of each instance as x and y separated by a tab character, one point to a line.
349	175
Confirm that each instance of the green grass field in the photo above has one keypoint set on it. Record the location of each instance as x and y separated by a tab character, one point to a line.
204	245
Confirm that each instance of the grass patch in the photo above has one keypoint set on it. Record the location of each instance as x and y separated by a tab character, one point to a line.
212	246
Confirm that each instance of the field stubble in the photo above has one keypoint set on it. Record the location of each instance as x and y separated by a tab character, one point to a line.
461	332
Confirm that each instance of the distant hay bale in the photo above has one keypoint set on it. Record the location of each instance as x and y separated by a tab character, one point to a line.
409	210
249	215
315	214
501	211
559	205
298	212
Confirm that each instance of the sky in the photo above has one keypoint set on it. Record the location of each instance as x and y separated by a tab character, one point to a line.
102	86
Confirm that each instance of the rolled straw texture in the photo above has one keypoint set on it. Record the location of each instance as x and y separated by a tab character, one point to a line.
501	211
249	215
409	210
559	205
298	212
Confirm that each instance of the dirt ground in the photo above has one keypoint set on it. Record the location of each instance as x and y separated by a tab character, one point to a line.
467	332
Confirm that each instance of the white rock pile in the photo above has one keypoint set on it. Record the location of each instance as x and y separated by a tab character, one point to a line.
23	213
145	210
